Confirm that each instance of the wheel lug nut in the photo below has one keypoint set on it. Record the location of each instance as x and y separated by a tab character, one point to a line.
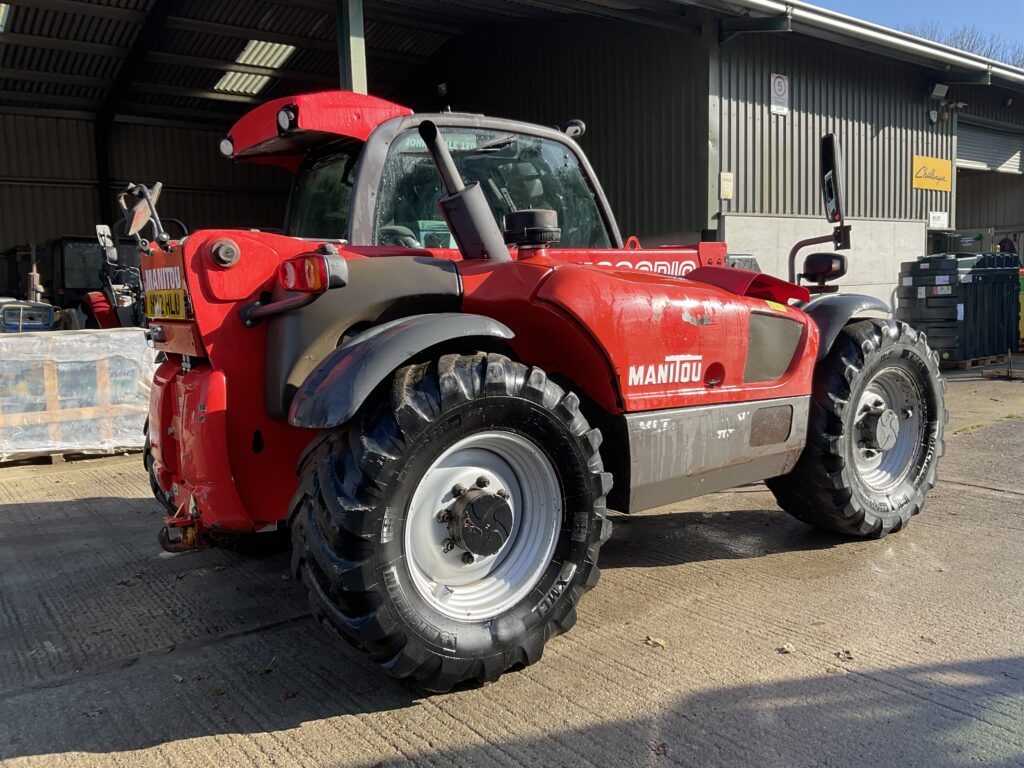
907	413
503	493
483	481
458	490
447	546
467	558
444	516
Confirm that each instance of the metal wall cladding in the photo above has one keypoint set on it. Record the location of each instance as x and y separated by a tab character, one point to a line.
641	91
37	148
187	158
988	103
48	179
990	200
877	107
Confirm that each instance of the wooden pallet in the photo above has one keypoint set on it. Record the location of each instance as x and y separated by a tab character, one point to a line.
974	362
1003	372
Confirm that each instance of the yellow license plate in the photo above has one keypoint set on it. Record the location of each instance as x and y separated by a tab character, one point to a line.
168	304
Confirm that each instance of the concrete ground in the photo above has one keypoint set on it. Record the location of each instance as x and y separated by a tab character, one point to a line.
907	651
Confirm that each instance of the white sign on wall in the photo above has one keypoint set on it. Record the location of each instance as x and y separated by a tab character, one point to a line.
938	219
780	94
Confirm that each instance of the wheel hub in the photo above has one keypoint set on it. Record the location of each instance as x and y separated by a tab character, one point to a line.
881	429
480	522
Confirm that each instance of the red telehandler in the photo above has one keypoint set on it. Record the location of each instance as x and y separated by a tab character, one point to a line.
441	409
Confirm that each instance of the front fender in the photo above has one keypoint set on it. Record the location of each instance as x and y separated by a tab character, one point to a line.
97	304
338	386
833	311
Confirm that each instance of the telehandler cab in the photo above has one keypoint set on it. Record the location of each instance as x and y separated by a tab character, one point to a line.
462	403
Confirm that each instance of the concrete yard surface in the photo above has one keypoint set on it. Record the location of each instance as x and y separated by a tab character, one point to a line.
722	633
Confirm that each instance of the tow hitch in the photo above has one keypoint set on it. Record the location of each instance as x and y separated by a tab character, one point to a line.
180	531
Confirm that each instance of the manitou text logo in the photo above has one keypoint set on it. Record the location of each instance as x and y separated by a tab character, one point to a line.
674	268
677	369
161	278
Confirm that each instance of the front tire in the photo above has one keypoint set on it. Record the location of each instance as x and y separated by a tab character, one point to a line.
874	434
508	457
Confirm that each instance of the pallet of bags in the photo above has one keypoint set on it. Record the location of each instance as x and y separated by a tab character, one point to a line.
73	392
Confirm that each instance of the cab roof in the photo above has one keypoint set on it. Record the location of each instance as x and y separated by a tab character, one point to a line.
256	136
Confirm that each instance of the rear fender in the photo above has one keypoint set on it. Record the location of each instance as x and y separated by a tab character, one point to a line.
832	312
338	386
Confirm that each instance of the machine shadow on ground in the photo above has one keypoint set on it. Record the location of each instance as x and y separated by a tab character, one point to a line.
930	716
677	538
222	636
939	716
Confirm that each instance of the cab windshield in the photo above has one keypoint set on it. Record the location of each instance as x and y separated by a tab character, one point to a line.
319	205
515	171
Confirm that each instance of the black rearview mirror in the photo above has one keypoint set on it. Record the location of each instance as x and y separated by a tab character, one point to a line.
832	179
106	241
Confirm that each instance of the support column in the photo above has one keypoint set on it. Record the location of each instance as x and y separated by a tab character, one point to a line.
713	222
351	46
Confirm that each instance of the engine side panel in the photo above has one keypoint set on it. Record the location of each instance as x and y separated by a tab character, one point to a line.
674	343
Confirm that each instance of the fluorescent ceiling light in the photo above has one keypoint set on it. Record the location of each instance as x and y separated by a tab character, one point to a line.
5	10
257	53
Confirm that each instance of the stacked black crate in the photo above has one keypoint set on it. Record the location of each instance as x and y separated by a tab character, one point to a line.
967	303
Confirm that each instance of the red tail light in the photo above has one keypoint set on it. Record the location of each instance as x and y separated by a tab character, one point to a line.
305	274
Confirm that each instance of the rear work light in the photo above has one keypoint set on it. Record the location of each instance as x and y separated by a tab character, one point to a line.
313	273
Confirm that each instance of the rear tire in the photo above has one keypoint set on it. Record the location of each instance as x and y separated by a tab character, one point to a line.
857	475
369	545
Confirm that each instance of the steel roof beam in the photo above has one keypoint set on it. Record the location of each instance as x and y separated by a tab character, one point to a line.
49	98
201	27
195	93
35	76
729	28
57	44
197	26
181	60
83	9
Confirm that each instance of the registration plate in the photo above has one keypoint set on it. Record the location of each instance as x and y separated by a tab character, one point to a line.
168	304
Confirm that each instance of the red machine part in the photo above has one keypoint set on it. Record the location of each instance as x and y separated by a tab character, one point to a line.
97	304
340	113
606	330
569	317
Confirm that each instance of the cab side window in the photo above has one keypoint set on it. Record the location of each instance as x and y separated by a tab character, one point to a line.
514	170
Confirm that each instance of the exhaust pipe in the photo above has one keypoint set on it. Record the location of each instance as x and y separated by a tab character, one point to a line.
464	206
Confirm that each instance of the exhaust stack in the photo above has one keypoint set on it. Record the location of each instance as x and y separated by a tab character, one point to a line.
464	206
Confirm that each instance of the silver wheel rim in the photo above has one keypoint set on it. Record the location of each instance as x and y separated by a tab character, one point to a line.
489	585
890	389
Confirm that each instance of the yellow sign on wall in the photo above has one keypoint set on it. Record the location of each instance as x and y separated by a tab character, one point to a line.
933	173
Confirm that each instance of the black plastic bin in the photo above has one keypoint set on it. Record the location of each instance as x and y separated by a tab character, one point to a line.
967	303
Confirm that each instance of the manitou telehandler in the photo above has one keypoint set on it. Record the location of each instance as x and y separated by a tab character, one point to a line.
440	410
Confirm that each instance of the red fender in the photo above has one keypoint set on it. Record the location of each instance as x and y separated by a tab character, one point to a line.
97	304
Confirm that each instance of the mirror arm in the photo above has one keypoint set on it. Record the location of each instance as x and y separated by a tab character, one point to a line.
811	241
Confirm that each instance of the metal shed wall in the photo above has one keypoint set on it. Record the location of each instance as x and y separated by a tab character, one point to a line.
878	107
48	179
990	200
641	91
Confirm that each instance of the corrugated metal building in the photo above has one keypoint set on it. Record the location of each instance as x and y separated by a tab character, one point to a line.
677	95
